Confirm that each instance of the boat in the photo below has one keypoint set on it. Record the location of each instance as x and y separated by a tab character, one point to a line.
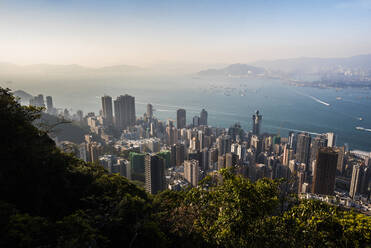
339	98
360	118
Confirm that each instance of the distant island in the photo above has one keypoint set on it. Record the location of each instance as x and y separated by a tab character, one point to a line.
349	72
23	96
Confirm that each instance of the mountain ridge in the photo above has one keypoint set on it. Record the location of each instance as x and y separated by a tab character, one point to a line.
66	68
344	69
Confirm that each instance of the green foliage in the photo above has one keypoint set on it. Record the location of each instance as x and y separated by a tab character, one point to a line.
52	199
317	224
230	211
224	211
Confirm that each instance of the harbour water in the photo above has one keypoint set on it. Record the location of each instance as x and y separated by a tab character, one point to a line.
227	100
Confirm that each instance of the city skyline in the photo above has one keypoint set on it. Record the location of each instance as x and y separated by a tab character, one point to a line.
179	113
186	152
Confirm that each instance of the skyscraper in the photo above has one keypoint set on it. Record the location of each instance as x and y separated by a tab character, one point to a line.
224	144
203	117
287	154
171	135
303	148
149	110
95	150
49	104
80	115
324	171
366	181
201	139
331	139
180	118
355	183
213	157
256	121
230	160
154	173
341	156
204	159
37	101
196	121
194	144
107	109
124	111
256	144
221	162
293	140
191	171
317	142
179	154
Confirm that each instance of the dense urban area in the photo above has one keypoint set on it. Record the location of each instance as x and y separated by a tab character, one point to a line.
175	154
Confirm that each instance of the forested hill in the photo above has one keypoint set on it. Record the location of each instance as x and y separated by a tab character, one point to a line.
51	199
69	131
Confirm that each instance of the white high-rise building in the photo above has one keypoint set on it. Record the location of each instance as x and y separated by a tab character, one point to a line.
191	171
331	139
355	183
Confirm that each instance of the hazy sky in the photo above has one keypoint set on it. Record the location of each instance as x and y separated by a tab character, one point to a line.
107	32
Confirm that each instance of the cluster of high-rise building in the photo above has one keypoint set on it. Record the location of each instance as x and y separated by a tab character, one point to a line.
121	114
38	101
200	120
49	108
175	154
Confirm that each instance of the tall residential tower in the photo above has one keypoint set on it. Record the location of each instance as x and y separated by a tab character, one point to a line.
256	122
203	117
107	109
124	111
180	118
324	171
154	173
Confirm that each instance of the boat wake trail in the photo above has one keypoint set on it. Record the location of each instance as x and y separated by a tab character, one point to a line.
364	129
318	100
314	98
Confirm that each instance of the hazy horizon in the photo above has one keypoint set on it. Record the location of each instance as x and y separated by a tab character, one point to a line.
169	63
151	33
